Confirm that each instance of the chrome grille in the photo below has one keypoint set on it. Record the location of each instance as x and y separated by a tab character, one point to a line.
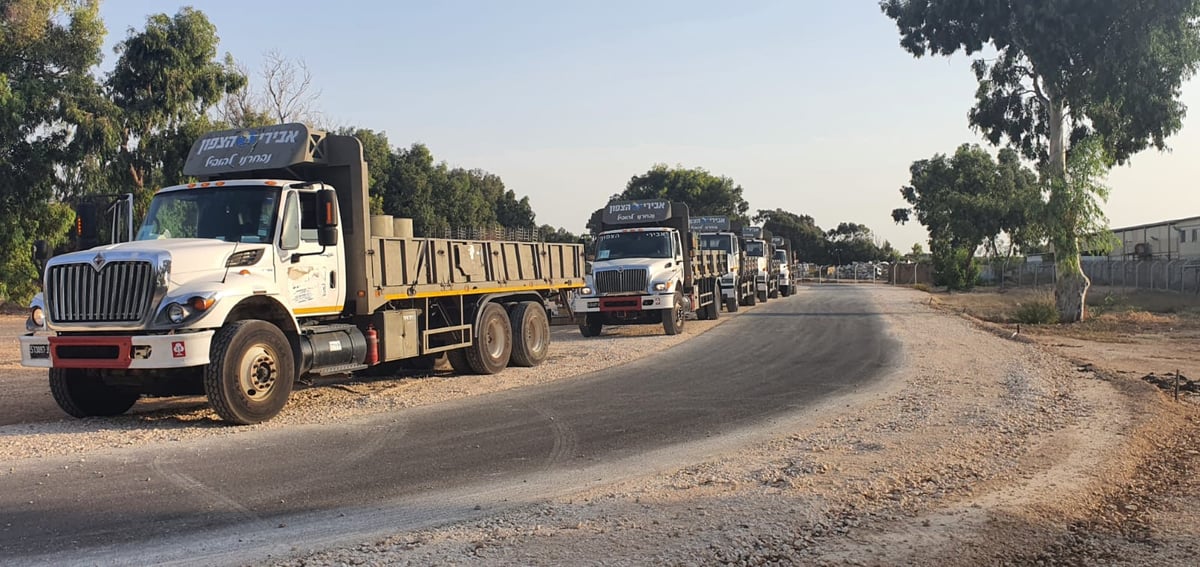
620	281
118	292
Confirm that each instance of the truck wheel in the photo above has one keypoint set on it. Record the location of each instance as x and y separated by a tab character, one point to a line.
458	361
762	297
592	325
251	372
493	345
751	299
82	393
427	363
785	291
774	293
673	319
531	334
714	309
731	304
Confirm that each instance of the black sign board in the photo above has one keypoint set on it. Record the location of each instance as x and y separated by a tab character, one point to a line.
231	151
777	241
709	224
633	212
752	232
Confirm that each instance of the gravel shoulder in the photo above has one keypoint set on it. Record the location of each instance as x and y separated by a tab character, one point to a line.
978	449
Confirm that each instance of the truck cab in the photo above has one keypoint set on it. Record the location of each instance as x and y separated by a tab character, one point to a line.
737	283
762	256
648	269
786	266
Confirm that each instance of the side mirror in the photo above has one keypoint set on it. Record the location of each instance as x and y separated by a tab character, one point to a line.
327	213
41	251
327	236
327	217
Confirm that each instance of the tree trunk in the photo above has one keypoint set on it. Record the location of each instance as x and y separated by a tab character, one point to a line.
1071	285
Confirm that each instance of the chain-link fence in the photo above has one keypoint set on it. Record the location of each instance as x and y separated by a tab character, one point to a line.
1167	275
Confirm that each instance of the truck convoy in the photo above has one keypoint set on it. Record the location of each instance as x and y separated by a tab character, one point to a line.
788	274
762	255
649	269
737	283
270	268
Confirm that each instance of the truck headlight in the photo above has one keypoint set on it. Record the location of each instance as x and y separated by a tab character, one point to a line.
176	313
37	319
660	286
585	290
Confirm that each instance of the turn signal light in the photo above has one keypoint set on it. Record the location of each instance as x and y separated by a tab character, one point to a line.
201	303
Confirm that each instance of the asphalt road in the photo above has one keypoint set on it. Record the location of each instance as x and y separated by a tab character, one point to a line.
237	497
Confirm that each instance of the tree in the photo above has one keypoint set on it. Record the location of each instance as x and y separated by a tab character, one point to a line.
1065	71
49	101
547	233
850	243
808	241
967	200
165	81
286	93
704	193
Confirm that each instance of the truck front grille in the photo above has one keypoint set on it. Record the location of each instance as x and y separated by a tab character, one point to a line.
620	281
117	292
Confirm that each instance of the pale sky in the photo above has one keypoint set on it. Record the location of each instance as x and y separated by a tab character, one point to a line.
810	106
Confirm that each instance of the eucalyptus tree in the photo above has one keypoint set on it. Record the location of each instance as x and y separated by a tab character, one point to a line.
1061	72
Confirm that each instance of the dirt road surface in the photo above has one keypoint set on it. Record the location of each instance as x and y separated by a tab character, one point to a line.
980	448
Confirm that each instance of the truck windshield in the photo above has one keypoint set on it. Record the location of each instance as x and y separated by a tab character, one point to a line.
722	242
754	248
781	255
232	214
646	244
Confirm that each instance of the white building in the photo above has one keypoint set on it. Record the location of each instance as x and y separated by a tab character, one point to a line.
1167	240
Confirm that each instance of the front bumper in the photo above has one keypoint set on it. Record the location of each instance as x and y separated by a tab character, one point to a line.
602	304
116	351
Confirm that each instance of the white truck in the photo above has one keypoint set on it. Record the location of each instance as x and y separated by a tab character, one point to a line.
648	269
270	268
765	267
737	283
788	273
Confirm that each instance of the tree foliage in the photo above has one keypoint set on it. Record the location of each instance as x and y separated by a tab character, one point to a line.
1065	71
704	193
847	244
47	49
408	183
968	200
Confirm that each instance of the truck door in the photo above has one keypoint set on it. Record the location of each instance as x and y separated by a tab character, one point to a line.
314	284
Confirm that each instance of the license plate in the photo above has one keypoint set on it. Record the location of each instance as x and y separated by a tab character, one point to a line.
39	351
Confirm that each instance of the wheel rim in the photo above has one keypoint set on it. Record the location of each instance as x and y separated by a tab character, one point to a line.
257	372
535	337
493	341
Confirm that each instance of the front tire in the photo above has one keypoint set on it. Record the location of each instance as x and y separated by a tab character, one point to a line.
251	372
531	334
673	319
731	304
493	344
592	325
762	296
82	393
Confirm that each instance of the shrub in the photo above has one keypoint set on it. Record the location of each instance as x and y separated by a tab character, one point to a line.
1036	313
921	287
